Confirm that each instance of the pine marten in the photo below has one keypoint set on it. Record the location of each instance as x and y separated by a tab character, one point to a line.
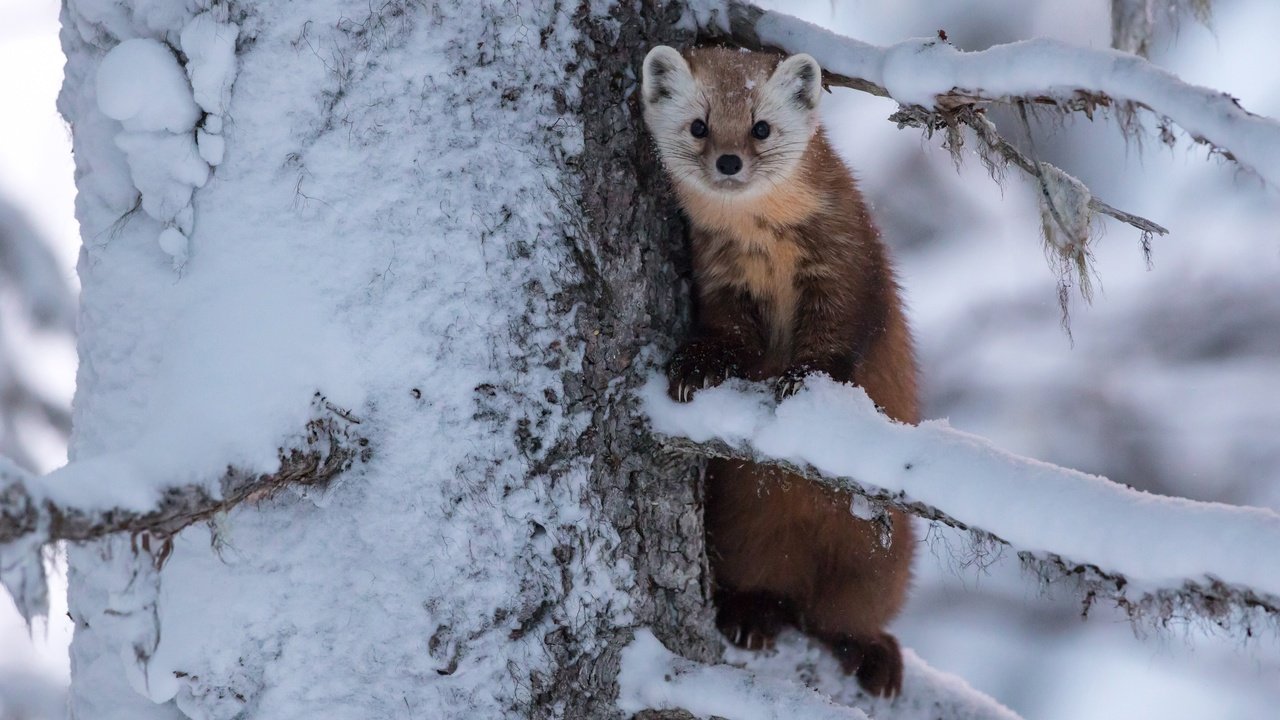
791	278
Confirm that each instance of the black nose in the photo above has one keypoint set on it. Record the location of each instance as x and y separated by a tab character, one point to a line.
729	164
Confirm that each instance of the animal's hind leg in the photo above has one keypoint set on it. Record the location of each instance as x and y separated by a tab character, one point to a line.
752	619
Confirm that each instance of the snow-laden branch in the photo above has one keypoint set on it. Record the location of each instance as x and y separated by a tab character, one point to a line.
931	74
654	678
756	686
1157	557
30	518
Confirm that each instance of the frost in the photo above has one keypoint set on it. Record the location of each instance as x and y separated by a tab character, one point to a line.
141	84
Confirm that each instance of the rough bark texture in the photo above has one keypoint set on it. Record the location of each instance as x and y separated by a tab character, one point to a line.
634	300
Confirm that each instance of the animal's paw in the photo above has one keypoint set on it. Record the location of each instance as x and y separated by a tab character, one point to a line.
876	661
790	382
698	365
751	620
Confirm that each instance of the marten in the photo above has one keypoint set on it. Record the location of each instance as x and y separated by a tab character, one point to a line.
791	278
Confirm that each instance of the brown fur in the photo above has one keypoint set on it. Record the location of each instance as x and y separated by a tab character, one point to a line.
789	283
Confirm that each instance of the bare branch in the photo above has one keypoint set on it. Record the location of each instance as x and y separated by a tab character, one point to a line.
331	444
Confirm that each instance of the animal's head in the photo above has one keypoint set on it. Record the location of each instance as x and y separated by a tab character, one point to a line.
729	123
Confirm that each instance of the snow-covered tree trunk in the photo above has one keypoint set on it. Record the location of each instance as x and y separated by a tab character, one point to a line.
443	217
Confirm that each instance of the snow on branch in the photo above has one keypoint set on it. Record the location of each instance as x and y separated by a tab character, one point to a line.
1158	558
654	678
29	519
929	73
756	685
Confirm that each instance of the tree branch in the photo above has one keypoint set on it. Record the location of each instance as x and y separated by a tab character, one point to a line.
931	74
939	86
1157	558
28	522
798	680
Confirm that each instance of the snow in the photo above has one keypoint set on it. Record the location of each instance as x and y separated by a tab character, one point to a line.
210	47
652	677
141	84
362	237
165	169
918	71
1030	504
797	679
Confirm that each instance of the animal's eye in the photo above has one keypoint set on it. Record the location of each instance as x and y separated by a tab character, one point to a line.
698	129
760	130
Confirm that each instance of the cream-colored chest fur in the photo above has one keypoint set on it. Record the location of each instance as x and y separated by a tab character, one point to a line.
766	256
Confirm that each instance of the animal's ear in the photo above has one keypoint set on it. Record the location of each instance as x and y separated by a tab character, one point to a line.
665	70
799	80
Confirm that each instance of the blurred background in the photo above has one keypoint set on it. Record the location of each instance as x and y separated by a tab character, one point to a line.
39	240
1171	382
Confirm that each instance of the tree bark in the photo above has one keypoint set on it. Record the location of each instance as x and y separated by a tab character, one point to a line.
447	591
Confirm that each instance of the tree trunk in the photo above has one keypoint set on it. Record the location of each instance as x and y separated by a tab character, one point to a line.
446	217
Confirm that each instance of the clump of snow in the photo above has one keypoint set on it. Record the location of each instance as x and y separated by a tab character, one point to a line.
175	243
654	678
141	84
166	168
1030	504
927	693
210	47
212	147
913	70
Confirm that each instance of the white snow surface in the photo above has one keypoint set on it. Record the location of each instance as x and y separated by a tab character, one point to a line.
210	47
653	677
361	237
1033	505
917	71
798	679
141	84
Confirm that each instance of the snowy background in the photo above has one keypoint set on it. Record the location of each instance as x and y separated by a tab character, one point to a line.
1171	384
